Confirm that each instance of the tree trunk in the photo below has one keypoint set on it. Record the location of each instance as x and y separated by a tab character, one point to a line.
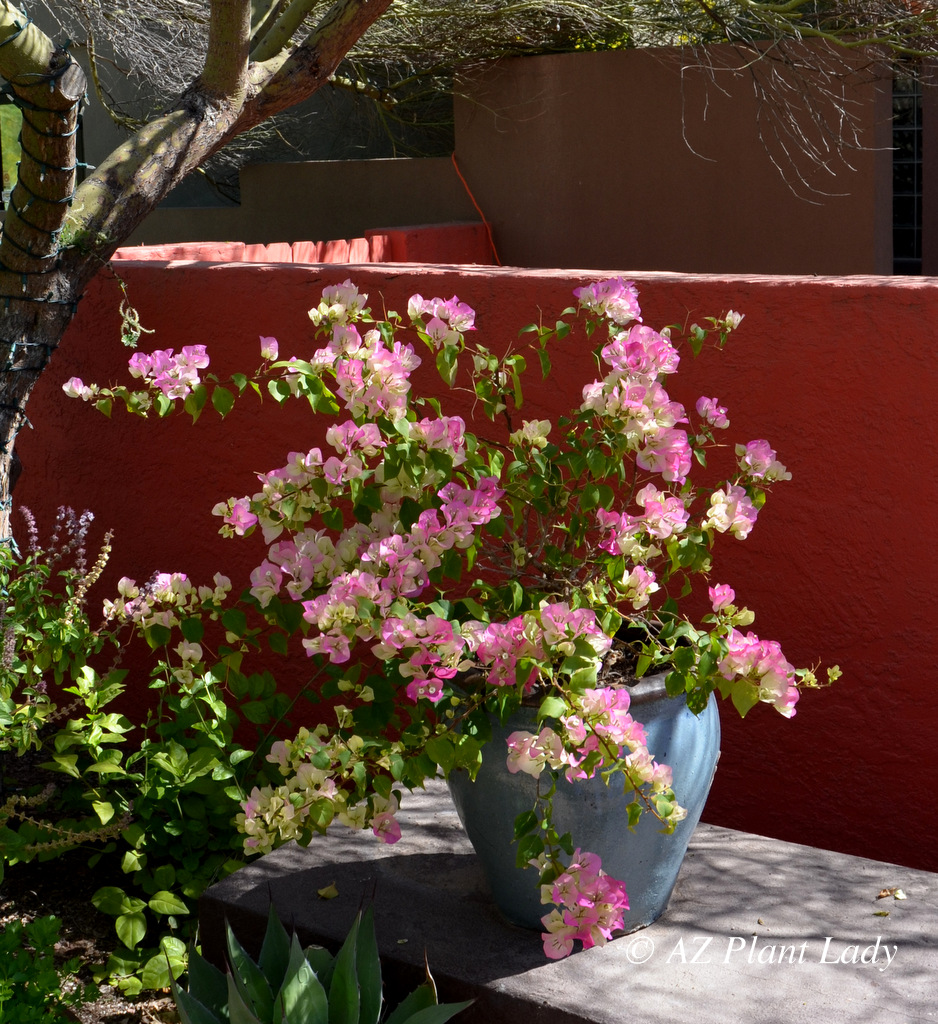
45	263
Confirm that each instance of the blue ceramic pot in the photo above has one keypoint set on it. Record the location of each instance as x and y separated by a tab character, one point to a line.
595	814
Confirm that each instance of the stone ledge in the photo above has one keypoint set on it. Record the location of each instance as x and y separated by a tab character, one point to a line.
774	928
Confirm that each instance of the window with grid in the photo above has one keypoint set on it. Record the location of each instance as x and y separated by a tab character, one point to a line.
906	176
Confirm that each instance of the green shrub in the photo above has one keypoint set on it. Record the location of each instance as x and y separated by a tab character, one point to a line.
33	989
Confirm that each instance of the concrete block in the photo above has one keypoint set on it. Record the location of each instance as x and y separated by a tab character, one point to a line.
757	930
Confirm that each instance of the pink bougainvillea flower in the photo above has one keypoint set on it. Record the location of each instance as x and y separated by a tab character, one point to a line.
720	596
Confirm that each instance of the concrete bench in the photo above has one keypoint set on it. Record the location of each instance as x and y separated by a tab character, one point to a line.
758	931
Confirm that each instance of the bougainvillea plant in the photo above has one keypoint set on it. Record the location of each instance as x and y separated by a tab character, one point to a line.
445	575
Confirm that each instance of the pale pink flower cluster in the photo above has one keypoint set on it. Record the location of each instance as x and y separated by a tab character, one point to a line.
75	387
713	412
371	378
174	375
533	433
631	395
664	516
275	814
641	353
449	319
588	906
598	727
757	460
731	511
761	664
428	652
551	632
163	599
614	298
396	565
340	304
446	434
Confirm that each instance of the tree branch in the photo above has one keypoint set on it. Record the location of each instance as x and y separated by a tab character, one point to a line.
225	73
278	36
290	77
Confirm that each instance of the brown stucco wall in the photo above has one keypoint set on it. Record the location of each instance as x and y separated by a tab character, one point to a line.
320	199
628	158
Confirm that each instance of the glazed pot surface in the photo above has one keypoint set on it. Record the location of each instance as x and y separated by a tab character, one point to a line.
596	815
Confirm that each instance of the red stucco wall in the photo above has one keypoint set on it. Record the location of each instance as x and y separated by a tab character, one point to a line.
839	374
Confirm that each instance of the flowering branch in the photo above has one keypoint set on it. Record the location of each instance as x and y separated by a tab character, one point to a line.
481	574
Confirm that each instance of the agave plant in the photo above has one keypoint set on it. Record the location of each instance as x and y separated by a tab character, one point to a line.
292	985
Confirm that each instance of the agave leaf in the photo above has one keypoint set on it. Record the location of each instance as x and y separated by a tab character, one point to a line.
275	951
368	962
438	1014
322	962
302	999
249	981
238	1011
419	999
344	995
191	1011
207	984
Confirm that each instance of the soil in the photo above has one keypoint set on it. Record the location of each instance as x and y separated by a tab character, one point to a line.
64	887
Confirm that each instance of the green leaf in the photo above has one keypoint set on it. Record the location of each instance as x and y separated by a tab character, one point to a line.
332	518
131	929
322	962
222	400
275	951
190	1010
192	629
195	401
525	823
166	965
438	1014
248	979
446	364
302	998
66	763
109	900
745	697
238	1010
157	636
419	999
164	902
235	621
442	752
369	969
551	707
529	847
208	984
344	995
321	812
133	860
277	642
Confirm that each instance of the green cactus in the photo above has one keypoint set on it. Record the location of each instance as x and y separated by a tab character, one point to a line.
290	985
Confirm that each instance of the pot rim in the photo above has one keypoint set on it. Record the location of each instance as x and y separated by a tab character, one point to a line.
642	691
